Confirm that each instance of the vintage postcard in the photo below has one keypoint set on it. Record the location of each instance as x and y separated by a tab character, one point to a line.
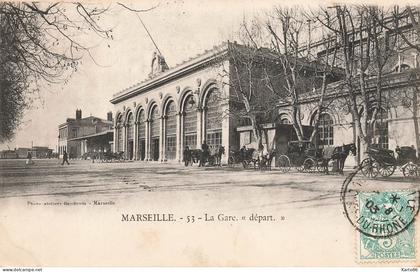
209	133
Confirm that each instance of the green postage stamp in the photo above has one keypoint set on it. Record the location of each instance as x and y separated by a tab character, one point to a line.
386	226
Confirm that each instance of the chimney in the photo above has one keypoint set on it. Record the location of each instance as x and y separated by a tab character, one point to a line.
109	116
78	114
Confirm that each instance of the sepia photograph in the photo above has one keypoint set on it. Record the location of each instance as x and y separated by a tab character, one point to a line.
181	133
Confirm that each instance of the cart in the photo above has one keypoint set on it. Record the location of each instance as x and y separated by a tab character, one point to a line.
383	162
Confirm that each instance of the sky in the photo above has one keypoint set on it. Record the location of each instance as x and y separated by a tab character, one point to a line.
181	29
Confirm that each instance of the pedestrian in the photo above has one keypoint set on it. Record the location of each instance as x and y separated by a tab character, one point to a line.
243	152
398	151
29	159
204	153
65	158
187	155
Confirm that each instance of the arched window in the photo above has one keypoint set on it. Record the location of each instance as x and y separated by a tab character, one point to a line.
119	140
130	127
154	133
141	134
325	130
130	136
284	119
213	120
170	128
190	122
379	130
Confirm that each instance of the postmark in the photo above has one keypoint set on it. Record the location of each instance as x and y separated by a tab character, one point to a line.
383	217
378	213
384	214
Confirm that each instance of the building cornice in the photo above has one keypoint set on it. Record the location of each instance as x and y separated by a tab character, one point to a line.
187	67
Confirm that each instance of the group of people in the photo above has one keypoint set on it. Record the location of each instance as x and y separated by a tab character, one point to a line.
203	155
262	152
29	160
412	152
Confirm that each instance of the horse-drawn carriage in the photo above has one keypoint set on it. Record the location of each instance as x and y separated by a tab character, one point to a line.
244	156
113	156
301	155
384	162
251	157
210	158
305	157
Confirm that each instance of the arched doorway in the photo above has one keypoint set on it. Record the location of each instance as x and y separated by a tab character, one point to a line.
190	123
170	131
119	141
141	132
284	119
213	120
154	133
130	136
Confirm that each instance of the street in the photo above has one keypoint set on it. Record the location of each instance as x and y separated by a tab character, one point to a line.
297	211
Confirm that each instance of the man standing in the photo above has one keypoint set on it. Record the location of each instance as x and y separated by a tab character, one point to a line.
29	159
65	158
204	154
187	155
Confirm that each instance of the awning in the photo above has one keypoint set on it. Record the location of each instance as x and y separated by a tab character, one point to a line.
92	135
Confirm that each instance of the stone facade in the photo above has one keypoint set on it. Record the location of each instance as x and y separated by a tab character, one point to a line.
183	106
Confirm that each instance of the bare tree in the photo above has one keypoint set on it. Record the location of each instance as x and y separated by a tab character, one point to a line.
290	33
364	56
250	69
43	43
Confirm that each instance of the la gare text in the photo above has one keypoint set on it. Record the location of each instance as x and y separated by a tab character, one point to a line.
169	217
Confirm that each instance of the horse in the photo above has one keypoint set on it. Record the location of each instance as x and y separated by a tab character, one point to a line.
213	159
195	156
338	154
218	156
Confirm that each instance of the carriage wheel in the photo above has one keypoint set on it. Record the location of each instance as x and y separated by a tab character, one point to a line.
320	166
330	166
387	170
231	161
411	170
309	165
256	164
284	163
245	164
299	168
369	168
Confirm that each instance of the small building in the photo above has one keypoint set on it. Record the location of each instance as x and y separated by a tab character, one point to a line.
41	152
71	133
95	144
8	154
22	152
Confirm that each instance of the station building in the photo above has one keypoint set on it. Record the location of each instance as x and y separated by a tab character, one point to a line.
156	118
175	108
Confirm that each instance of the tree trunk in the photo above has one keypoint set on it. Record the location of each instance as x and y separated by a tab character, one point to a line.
415	119
257	130
296	122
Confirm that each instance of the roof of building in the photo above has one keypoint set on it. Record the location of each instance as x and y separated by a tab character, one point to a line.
201	60
85	121
185	67
110	131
